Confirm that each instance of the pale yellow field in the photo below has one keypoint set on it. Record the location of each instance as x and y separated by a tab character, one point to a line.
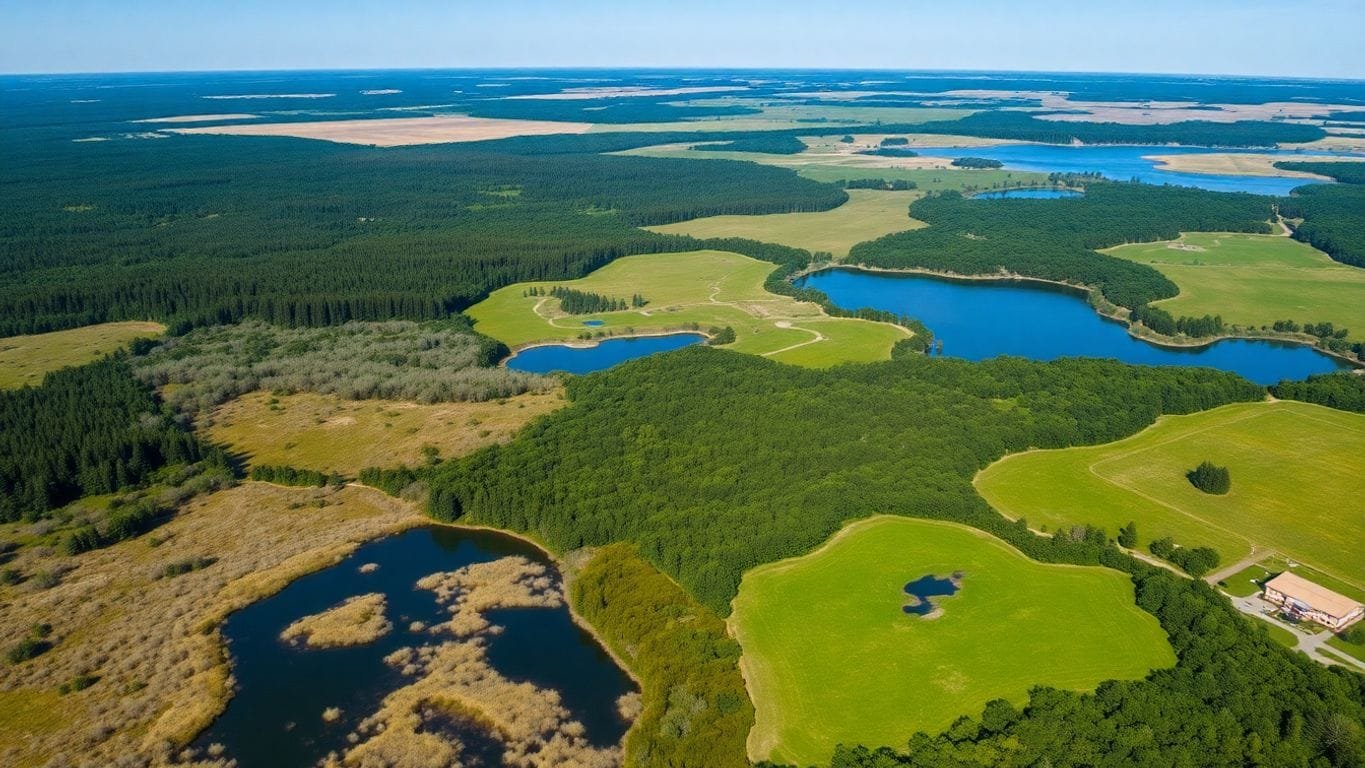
153	641
25	359
398	131
329	434
1236	164
868	215
197	118
686	290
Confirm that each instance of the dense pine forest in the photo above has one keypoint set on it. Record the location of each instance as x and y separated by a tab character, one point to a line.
1056	239
1333	214
1025	127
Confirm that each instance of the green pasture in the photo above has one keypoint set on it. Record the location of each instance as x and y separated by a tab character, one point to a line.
1254	280
868	215
1296	469
701	288
25	359
830	657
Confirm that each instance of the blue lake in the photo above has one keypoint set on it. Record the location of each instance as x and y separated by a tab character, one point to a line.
1028	194
552	358
274	717
926	587
1126	162
982	319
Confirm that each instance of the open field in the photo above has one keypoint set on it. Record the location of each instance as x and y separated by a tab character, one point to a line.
398	131
1235	164
25	359
152	640
198	118
708	288
830	657
1293	466
1255	280
330	434
867	215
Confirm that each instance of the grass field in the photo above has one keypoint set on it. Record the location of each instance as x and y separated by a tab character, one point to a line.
1254	280
25	359
868	214
830	657
1296	469
1350	649
329	434
708	288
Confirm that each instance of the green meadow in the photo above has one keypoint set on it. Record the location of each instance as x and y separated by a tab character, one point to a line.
705	288
868	214
26	359
830	657
1254	280
1296	470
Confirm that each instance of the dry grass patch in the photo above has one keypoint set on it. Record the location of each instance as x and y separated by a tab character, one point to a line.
26	359
153	640
198	118
1231	164
400	131
329	434
354	621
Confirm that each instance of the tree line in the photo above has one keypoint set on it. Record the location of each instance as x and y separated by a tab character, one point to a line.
1025	127
1333	214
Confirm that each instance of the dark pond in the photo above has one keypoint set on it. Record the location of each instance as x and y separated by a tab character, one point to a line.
594	323
606	353
924	588
274	718
979	319
1127	162
1028	194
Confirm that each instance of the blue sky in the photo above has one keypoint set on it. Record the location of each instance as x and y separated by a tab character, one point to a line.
1286	37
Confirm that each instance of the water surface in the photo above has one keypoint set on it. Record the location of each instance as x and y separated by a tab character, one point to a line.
924	588
1128	162
1028	194
980	319
551	358
274	718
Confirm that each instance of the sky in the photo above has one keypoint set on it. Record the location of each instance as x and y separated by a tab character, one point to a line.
1308	38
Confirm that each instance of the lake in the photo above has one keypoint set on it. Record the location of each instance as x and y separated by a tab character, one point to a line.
1126	162
979	319
1028	194
551	358
282	689
926	587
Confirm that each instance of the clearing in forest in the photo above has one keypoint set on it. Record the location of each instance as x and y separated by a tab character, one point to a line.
702	289
868	215
830	655
1296	471
330	434
1255	280
25	359
400	131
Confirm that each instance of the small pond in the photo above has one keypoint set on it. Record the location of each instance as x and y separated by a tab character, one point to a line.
594	323
1127	162
926	587
274	716
550	358
1026	193
980	319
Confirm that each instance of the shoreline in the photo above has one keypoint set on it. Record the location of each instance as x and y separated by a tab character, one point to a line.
596	342
1091	294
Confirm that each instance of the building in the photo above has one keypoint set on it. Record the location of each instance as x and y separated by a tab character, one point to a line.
1302	599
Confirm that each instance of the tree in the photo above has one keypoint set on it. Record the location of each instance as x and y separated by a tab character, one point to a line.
1210	478
1128	536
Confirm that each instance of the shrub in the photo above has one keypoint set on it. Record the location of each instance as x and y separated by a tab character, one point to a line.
1128	536
28	648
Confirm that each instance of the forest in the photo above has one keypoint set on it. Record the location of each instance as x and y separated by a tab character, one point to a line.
1344	390
1333	214
1057	239
776	144
1025	127
663	451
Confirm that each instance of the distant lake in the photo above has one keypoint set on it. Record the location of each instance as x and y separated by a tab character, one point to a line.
1126	162
274	717
1028	194
552	358
981	319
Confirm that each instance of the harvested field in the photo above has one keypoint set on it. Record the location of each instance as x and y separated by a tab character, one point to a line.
150	639
1233	164
198	118
569	94
399	131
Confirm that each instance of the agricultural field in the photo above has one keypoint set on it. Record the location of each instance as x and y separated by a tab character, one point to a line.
1292	465
25	359
331	434
830	656
1255	280
868	214
706	288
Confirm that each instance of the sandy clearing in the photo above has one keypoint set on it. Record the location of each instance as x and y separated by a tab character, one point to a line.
627	91
198	118
1333	144
270	96
398	131
1235	164
1160	113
